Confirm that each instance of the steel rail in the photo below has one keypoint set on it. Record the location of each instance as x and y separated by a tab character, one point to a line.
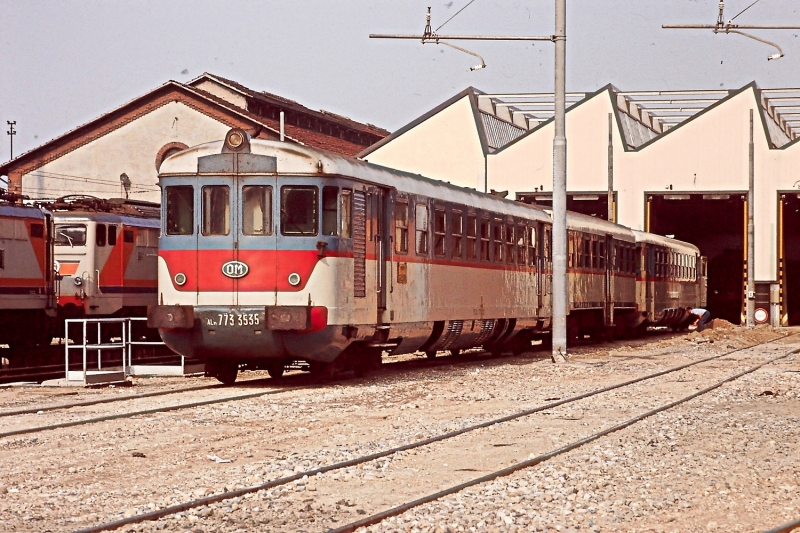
785	528
379	517
148	411
214	498
35	410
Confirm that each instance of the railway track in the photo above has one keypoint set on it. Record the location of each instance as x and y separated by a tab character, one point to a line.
375	518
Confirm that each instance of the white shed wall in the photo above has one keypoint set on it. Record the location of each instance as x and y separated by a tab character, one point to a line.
131	149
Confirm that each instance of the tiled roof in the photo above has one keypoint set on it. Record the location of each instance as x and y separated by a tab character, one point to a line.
274	99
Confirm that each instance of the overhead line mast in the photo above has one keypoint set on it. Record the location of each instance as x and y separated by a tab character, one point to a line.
559	235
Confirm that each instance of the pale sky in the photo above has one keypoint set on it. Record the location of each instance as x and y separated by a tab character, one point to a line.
63	63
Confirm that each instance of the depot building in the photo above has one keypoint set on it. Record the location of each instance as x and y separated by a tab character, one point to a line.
677	163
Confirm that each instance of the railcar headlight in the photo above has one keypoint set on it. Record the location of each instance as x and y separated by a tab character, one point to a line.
78	281
180	278
294	279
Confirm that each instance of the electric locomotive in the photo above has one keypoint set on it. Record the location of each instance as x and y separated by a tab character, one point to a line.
27	296
105	256
272	254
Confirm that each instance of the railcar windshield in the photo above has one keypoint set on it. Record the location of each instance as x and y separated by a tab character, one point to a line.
70	235
299	210
180	210
216	210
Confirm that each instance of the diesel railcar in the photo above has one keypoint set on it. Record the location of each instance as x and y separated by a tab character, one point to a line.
273	253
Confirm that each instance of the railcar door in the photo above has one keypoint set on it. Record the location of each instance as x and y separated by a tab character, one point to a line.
256	241
607	256
378	230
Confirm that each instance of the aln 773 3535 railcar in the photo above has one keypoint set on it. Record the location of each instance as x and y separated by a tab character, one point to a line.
273	253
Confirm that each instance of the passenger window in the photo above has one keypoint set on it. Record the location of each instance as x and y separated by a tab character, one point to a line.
439	231
497	238
485	239
401	227
601	262
510	252
532	246
100	235
421	227
180	210
330	197
457	233
299	210
587	253
346	220
521	235
216	210
472	237
548	245
257	210
112	235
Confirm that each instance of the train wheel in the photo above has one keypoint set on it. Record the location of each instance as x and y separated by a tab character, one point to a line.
430	355
224	371
276	370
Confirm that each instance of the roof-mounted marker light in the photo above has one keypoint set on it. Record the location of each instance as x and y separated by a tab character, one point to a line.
237	140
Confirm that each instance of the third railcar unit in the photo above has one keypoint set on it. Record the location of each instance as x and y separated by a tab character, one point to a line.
273	253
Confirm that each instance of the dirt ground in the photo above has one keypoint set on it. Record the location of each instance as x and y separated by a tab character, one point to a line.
726	461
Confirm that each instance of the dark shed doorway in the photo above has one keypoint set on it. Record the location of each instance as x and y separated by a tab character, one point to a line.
714	222
789	257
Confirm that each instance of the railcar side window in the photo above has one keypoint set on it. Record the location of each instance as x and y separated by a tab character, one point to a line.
497	240
602	254
299	210
100	235
330	197
180	210
257	210
548	243
421	227
439	232
216	210
472	237
346	220
532	246
485	239
521	235
510	252
457	232
401	227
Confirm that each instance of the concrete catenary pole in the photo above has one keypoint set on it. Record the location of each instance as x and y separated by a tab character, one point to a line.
559	327
750	305
610	171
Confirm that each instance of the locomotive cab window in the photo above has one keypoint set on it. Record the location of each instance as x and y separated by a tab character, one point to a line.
112	235
180	210
100	235
70	235
37	231
257	210
216	210
330	198
299	210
